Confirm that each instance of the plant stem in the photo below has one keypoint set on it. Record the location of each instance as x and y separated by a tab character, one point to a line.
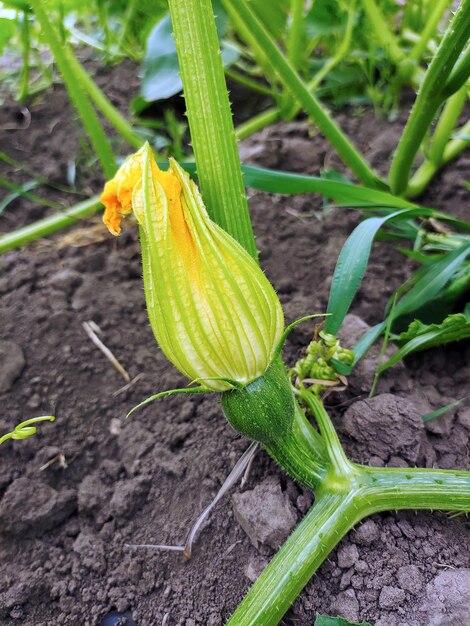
340	465
428	169
90	121
48	225
257	123
338	508
295	41
118	121
301	555
240	10
446	124
131	9
460	74
33	197
301	453
429	97
260	121
25	51
254	85
383	33
210	120
430	27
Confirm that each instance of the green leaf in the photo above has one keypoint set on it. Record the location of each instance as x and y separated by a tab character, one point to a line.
273	14
325	18
351	195
161	78
351	266
326	620
431	281
421	336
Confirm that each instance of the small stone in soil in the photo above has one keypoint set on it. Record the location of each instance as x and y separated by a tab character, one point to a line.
34	507
265	514
385	426
366	533
347	556
346	605
410	578
117	619
391	597
11	364
129	495
254	567
66	280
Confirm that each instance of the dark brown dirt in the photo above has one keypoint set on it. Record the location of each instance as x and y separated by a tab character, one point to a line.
81	489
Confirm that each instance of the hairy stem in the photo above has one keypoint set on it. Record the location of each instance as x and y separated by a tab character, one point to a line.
301	453
340	505
429	97
210	119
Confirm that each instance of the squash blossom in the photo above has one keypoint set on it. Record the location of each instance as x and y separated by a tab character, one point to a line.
213	312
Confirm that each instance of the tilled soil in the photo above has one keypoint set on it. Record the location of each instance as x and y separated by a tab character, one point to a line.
75	495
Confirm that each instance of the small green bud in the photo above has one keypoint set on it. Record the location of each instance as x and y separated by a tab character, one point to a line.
264	409
345	356
330	341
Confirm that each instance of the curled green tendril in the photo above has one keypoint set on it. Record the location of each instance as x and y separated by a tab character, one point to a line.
319	362
26	428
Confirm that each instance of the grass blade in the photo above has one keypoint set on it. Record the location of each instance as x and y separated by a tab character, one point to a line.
448	407
351	266
432	281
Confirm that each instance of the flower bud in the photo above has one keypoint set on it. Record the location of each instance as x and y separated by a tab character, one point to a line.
212	310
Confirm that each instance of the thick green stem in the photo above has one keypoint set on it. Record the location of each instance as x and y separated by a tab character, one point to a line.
446	124
301	555
240	10
339	507
460	74
426	172
429	29
90	121
429	97
301	453
210	119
